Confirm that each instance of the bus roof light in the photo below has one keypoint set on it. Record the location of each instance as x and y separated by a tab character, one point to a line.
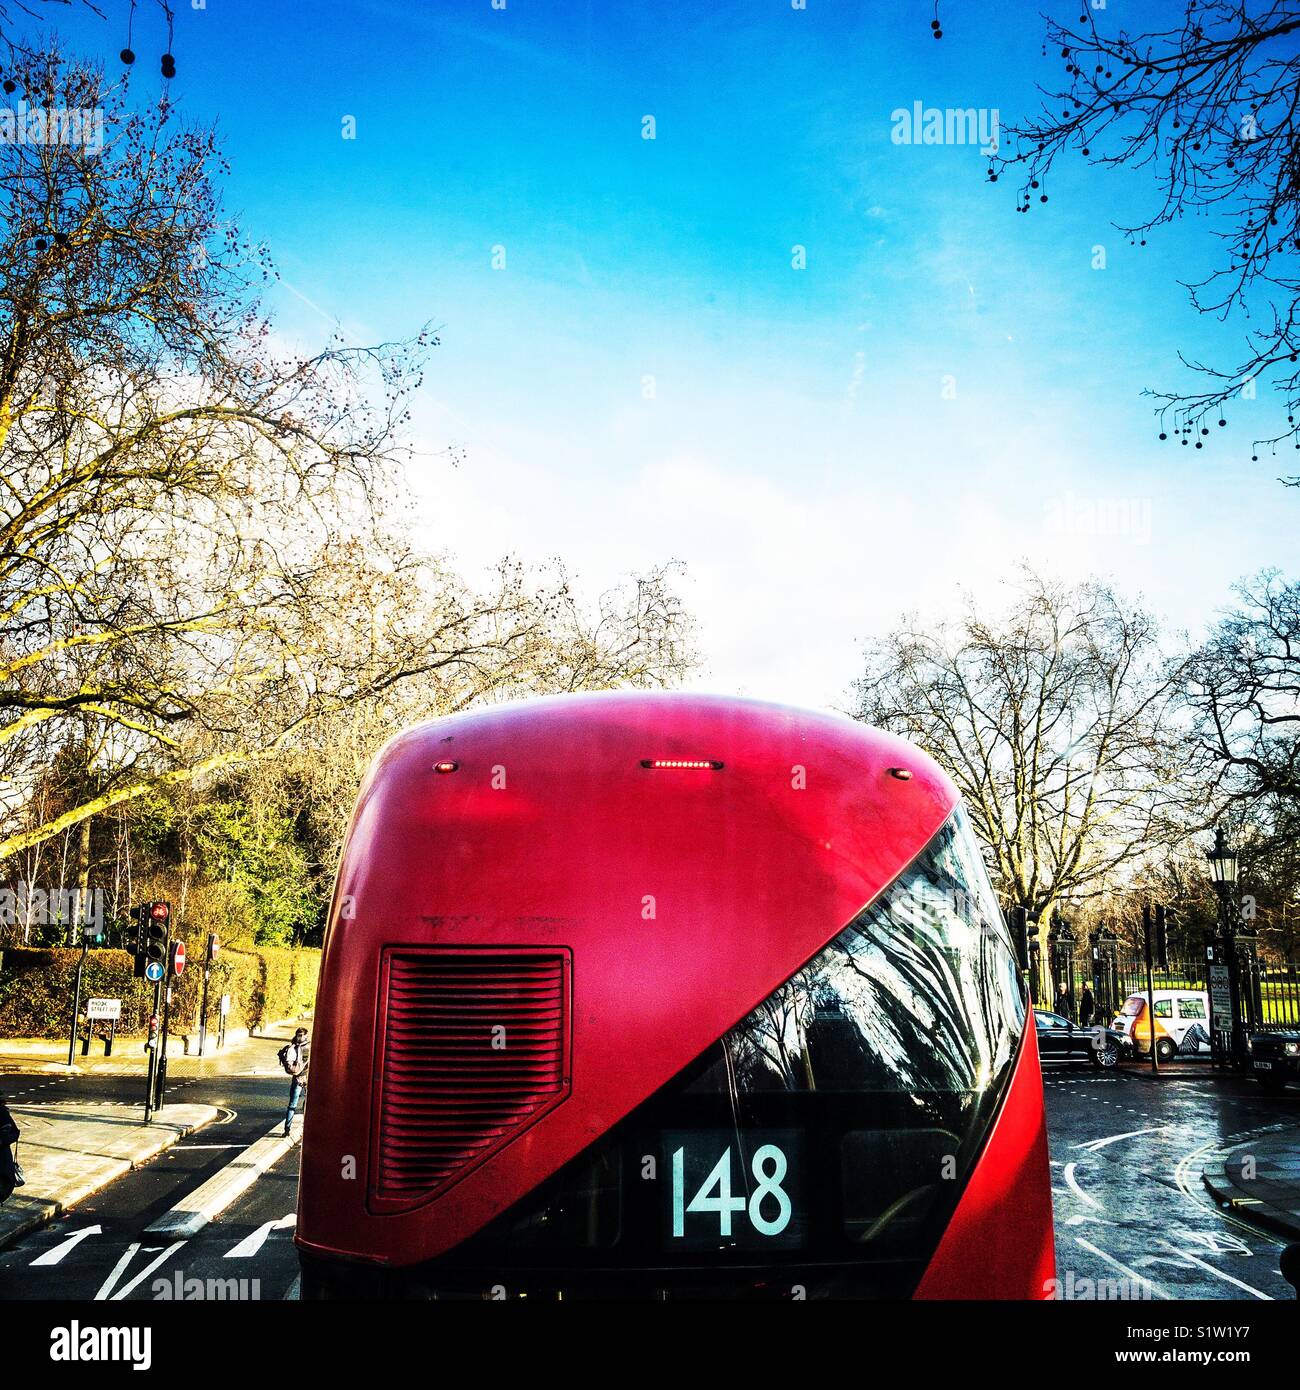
704	764
445	767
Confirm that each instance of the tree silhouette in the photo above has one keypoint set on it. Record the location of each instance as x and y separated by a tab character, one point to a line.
1209	106
14	13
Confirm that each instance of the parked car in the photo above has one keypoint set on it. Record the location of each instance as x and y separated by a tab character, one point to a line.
1059	1040
1275	1059
1182	1023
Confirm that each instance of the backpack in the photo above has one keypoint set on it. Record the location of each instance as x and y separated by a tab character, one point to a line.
283	1055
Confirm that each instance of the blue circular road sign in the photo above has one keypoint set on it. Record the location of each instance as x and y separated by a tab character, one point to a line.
154	970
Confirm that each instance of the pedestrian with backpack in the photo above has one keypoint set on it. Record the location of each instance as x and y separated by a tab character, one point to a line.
295	1058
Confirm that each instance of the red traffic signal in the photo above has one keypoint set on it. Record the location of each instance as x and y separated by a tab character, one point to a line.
160	912
178	958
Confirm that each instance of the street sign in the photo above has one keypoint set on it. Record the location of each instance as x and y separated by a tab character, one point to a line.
178	958
225	1005
103	1008
1220	997
153	970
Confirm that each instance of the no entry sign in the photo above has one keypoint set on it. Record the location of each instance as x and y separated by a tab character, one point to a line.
178	958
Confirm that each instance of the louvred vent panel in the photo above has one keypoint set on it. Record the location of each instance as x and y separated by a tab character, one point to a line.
473	1049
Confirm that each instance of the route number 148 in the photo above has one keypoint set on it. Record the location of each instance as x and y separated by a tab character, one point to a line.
768	1206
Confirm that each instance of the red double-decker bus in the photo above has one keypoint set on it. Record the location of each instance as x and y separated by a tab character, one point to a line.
672	996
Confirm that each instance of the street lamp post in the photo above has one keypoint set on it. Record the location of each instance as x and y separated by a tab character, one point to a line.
1223	870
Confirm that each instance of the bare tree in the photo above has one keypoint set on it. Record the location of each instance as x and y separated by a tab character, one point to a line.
1244	685
1208	107
199	557
1058	722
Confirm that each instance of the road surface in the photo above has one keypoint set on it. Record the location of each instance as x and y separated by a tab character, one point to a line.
1132	1217
1129	1203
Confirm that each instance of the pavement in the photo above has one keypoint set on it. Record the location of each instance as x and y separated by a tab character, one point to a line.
70	1149
1260	1180
242	1050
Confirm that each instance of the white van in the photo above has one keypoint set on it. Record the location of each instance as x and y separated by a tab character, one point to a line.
1182	1023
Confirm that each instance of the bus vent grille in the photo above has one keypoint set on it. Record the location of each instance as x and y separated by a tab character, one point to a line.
474	1050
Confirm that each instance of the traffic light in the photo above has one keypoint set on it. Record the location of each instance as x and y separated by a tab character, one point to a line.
155	926
1162	938
1019	923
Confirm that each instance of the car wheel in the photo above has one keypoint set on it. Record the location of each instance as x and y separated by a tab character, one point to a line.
1165	1050
1106	1056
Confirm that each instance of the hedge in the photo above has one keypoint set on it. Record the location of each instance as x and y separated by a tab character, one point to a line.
265	984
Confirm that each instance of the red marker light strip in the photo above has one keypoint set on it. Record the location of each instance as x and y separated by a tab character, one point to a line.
704	764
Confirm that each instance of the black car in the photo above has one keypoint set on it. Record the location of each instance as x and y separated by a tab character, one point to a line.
1059	1040
1275	1059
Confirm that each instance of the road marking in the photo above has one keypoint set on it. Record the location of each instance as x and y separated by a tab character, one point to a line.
1182	1175
1216	1242
1268	1298
253	1242
52	1257
147	1270
211	1198
126	1257
1095	1144
1077	1190
189	1148
1132	1273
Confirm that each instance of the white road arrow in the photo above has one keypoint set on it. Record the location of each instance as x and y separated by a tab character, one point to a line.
52	1257
253	1242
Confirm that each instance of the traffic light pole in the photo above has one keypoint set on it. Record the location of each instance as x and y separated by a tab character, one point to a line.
1151	989
153	1054
166	985
203	1007
76	999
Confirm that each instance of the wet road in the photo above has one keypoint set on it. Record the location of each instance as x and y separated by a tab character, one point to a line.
1126	1162
1127	1154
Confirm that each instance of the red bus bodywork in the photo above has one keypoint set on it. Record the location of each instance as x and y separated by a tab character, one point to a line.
674	899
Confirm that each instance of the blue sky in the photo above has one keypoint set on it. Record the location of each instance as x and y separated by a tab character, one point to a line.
947	387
